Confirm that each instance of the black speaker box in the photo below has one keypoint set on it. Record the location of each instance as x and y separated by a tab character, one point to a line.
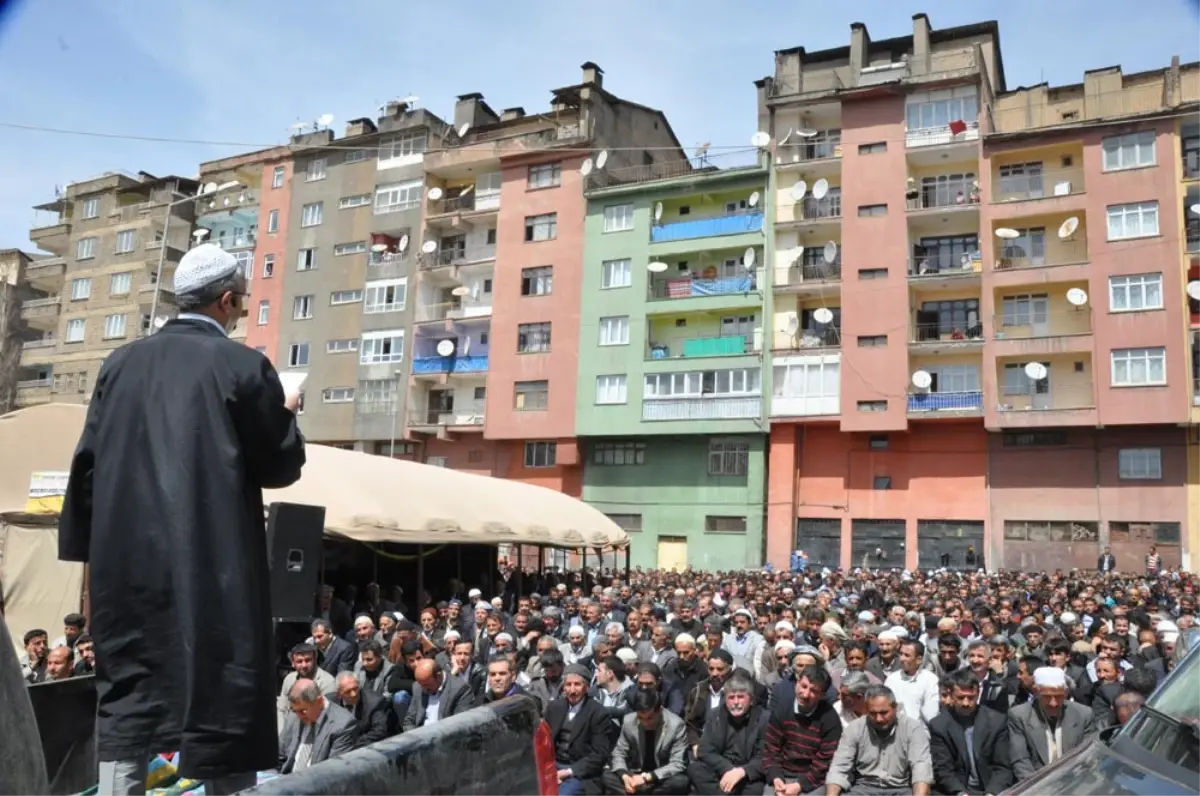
294	534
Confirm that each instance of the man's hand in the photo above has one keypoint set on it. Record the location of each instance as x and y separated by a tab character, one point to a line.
292	401
779	786
996	665
731	778
631	782
564	774
790	790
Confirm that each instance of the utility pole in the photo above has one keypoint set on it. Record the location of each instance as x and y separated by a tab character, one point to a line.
9	350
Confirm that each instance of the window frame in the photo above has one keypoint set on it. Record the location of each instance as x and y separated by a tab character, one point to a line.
81	288
126	283
120	320
75	323
553	169
622	221
1125	210
294	355
724	452
535	337
607	269
544	221
272	222
609	383
1147	356
311	264
1139	464
1118	145
537	276
316	169
312	214
277	177
375	293
129	235
607	325
549	454
85	248
303	303
539	389
1126	284
366	355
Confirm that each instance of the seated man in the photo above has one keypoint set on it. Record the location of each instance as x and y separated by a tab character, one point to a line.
649	756
884	752
315	729
579	729
436	696
730	755
969	743
369	709
801	736
304	667
502	679
1046	729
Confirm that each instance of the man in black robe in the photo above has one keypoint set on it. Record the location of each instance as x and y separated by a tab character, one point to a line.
184	431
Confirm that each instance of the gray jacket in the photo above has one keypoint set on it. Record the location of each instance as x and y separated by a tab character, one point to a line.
336	732
322	678
669	751
1030	748
456	698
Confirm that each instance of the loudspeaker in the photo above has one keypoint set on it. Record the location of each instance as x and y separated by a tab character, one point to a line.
294	534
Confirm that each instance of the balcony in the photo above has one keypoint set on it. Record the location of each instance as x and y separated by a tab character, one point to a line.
482	148
811	336
716	226
465	310
33	345
941	135
42	313
930	269
53	237
809	276
1190	157
1022	405
472	202
456	257
943	195
946	338
34	391
806	385
665	345
812	211
946	404
747	407
738	290
1042	329
1027	187
46	273
468	416
451	364
814	81
818	156
1039	246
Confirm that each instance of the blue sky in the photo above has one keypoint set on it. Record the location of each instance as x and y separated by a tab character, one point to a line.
243	71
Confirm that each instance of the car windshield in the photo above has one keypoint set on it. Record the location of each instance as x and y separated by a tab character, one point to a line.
1177	697
1169	726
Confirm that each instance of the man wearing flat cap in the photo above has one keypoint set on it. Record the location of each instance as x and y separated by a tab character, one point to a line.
183	432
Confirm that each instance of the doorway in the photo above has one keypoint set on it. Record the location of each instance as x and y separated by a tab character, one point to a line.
672	553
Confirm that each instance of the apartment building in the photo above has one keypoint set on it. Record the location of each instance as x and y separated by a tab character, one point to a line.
107	235
988	360
670	407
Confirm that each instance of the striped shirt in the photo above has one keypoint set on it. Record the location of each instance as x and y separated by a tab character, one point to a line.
799	747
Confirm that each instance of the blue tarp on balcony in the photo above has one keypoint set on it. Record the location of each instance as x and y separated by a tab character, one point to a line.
707	227
946	402
450	364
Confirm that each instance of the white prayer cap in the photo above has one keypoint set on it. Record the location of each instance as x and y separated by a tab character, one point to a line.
866	617
1170	637
497	602
576	630
452	635
1166	626
203	265
888	635
561	587
1067	618
474	593
785	625
363	619
504	637
685	638
785	644
899	632
680	592
626	655
620	628
1049	677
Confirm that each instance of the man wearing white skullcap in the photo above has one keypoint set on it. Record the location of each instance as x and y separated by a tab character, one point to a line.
1051	726
184	430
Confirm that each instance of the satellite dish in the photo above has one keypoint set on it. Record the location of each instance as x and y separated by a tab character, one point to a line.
160	321
1036	371
200	234
798	190
656	267
1007	234
466	345
658	210
325	119
601	159
820	188
760	139
1077	296
784	140
466	191
462	129
1193	290
807	132
210	187
379	247
921	380
403	244
1068	227
830	252
753	200
823	315
461	290
435	193
799	249
748	258
793	323
586	167
429	246
1196	208
445	348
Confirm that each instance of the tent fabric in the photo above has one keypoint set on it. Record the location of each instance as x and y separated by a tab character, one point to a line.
367	498
39	590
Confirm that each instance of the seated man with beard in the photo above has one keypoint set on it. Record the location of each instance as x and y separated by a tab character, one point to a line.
884	752
650	751
969	743
730	755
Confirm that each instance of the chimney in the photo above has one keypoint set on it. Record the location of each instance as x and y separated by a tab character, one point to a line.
920	53
508	114
356	127
394	109
860	48
471	109
593	75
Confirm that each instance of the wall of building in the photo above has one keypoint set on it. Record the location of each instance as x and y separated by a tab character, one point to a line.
265	336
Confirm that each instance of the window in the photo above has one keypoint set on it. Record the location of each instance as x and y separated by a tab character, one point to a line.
399	196
531	395
882	482
345	297
872	149
612	389
872	406
708	383
872	341
616	273
619	454
75	330
355	156
618	218
114	326
1129	151
306	260
437	461
245	261
277	177
341	346
359	200
630	523
376	396
385	295
268	265
91	208
807	386
539	228
120	284
337	395
614	330
728	458
872	210
316	170
403	146
879	442
872	273
1138	292
81	289
298	355
540	454
85	248
1132	221
1031	439
1140	464
126	240
546	175
954	378
311	214
537	281
716	524
264	312
1133	367
302	308
342	249
533	338
1025	310
273	222
382	347
926	109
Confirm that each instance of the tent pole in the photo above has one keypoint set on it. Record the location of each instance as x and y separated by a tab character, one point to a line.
420	603
627	547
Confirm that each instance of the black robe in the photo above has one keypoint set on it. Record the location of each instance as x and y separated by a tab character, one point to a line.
164	503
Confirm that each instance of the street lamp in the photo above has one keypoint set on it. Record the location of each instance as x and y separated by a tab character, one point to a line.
209	188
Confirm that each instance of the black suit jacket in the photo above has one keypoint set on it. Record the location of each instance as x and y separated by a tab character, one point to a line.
339	657
590	744
948	748
371	715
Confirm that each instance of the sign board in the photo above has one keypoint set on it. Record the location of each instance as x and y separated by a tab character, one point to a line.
46	491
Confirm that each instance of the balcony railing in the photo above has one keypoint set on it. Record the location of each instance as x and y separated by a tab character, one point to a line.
1193	234
958	403
818	336
42	306
941	135
785	405
825	144
1048	323
936	333
33	384
1196	391
1191	158
45	342
1044	396
471	203
382	210
938	264
386	258
441	259
457	310
713	408
945	194
736	224
669	346
830	206
470	414
799	273
451	364
682	287
810	82
1051	182
1039	253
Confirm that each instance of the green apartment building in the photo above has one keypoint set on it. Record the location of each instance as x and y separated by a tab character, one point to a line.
671	414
